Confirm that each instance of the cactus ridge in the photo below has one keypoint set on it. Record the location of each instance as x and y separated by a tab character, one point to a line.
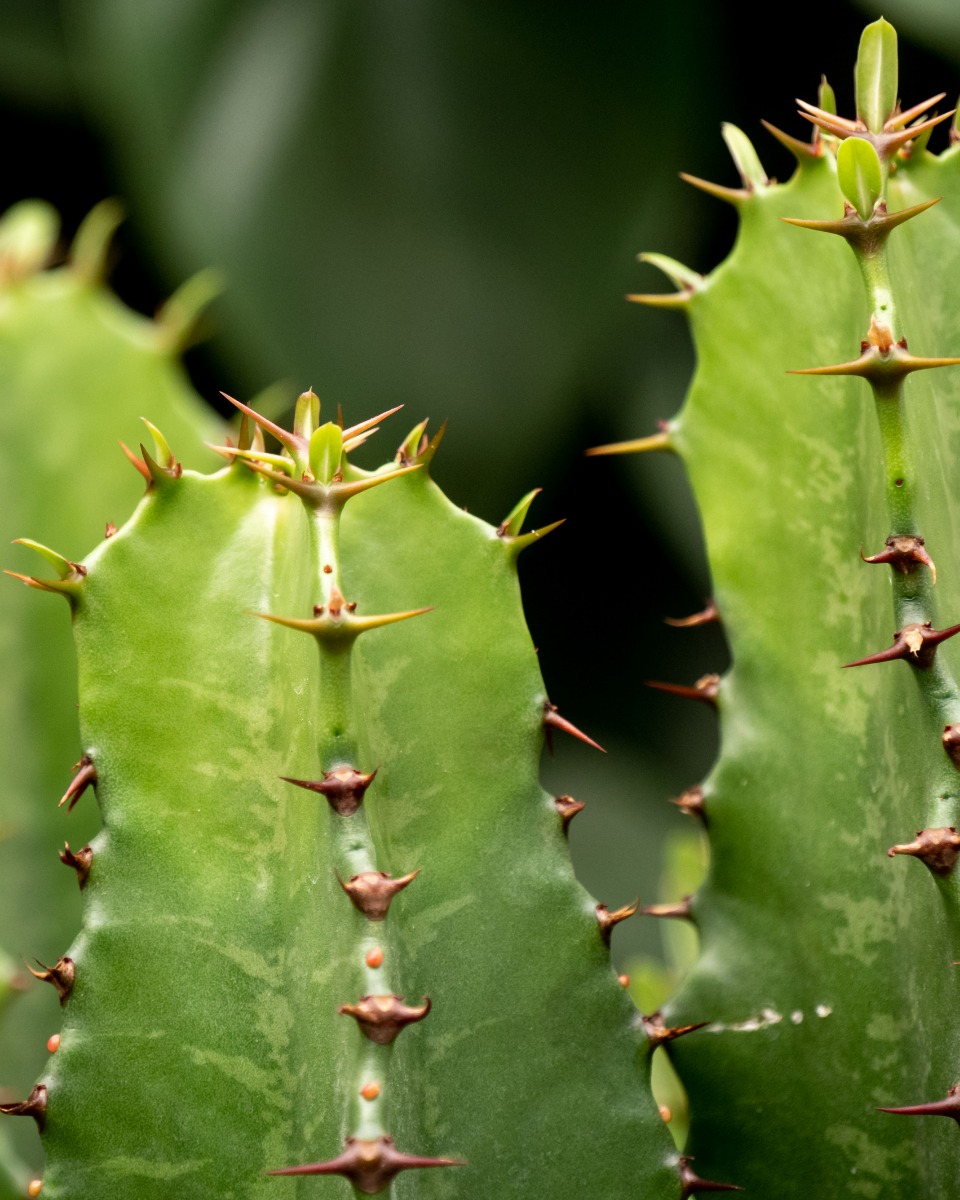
828	977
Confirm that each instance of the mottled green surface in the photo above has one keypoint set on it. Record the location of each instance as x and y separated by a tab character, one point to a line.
826	967
77	370
202	1044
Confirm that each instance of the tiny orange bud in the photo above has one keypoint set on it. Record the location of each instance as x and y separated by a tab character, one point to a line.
665	1113
34	1187
53	1042
374	957
623	980
370	1091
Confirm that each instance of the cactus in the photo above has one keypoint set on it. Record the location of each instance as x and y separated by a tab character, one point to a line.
330	926
810	431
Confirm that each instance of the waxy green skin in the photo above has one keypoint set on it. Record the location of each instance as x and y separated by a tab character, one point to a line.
77	370
202	1043
826	967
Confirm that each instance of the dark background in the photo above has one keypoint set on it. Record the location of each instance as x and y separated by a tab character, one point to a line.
439	204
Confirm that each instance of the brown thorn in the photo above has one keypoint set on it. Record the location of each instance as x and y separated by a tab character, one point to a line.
904	554
369	1165
85	775
658	1032
568	808
951	743
138	463
917	644
691	1182
382	1018
110	530
344	787
706	689
801	151
62	975
900	119
948	1107
730	195
607	919
80	862
553	720
705	616
691	803
371	892
34	1106
682	910
938	849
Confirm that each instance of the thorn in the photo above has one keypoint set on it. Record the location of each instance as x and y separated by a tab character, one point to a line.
658	1032
64	568
706	688
62	975
426	456
681	910
607	919
34	1106
372	891
412	445
138	463
734	196
370	1165
568	808
904	554
343	626
367	426
948	1107
801	151
951	743
512	523
110	530
344	788
85	774
686	281
691	1182
552	720
938	849
656	441
159	475
915	643
901	119
705	616
881	366
80	862
297	446
523	540
691	803
382	1018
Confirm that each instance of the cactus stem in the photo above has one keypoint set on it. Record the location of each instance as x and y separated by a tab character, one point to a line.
372	891
938	849
344	788
948	1107
682	910
904	554
705	616
369	1165
729	195
690	1181
706	688
81	862
568	808
915	643
85	775
383	1018
552	720
62	975
607	919
691	803
801	151
34	1106
656	441
658	1032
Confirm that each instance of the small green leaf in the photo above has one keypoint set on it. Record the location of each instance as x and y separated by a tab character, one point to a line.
28	234
326	447
744	156
307	415
859	174
876	74
826	97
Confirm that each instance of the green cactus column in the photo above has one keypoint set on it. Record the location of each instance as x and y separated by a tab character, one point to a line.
827	959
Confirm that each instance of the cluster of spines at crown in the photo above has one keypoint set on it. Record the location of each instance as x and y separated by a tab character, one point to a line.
868	149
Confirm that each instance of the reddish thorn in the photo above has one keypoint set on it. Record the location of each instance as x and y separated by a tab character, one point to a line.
658	1032
691	1182
706	616
706	688
62	975
138	463
80	862
915	643
372	891
903	554
948	1107
382	1018
951	743
85	774
110	530
553	720
344	788
369	1165
938	849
